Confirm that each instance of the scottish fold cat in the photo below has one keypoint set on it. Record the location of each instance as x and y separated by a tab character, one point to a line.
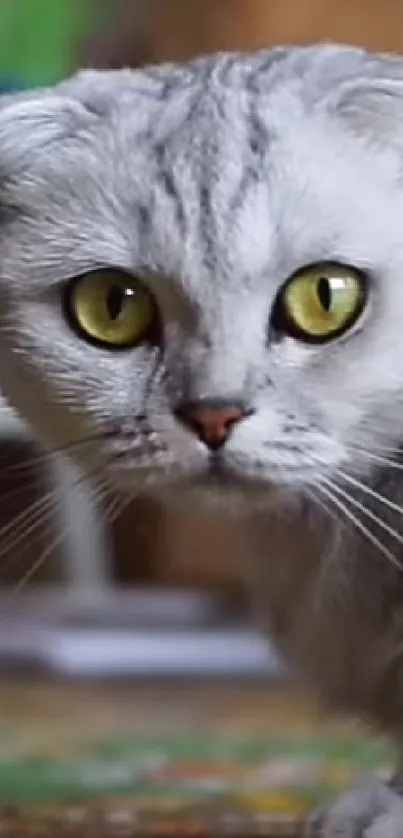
201	297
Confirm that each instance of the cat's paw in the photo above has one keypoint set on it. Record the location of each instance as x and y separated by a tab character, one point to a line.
372	810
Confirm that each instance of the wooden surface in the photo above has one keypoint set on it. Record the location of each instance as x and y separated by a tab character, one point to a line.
55	715
77	823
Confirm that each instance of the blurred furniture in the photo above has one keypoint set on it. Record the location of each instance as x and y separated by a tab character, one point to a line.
134	633
140	31
91	626
84	555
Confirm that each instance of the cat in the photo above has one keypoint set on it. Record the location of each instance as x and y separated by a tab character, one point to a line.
200	299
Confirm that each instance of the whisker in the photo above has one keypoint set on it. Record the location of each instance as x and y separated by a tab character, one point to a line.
101	492
392	449
36	565
33	531
30	521
116	506
331	563
40	527
98	491
19	520
378	458
43	458
390	504
319	502
358	524
102	489
368	512
21	489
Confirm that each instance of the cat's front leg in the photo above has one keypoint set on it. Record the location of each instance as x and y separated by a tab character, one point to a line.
372	810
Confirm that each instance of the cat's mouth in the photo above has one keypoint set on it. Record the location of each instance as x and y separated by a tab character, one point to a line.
219	484
220	474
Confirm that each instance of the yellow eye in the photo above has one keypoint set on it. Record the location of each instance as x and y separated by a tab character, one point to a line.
322	301
111	308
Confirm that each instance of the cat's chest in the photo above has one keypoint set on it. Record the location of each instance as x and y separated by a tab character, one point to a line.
339	642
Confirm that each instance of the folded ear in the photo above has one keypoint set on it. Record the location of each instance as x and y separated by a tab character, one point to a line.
371	102
32	120
97	89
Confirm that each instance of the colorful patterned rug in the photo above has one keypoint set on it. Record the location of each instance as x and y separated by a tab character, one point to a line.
188	761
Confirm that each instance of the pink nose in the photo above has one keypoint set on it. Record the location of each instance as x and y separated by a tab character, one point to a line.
211	419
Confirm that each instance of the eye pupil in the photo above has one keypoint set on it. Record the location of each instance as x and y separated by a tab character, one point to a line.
114	302
320	302
324	293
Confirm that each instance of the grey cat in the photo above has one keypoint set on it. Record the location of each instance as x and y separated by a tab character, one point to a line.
201	296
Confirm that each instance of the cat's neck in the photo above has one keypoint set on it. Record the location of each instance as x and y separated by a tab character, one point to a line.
334	606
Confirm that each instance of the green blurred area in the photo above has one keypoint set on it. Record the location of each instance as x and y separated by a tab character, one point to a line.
37	38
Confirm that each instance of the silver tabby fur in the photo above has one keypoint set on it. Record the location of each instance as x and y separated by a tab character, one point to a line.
214	182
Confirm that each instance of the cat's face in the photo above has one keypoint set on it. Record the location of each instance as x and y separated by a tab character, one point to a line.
150	226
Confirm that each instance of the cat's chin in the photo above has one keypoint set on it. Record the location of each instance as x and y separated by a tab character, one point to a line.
231	499
221	490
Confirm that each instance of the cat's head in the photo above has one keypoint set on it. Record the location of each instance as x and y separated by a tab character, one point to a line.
201	268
